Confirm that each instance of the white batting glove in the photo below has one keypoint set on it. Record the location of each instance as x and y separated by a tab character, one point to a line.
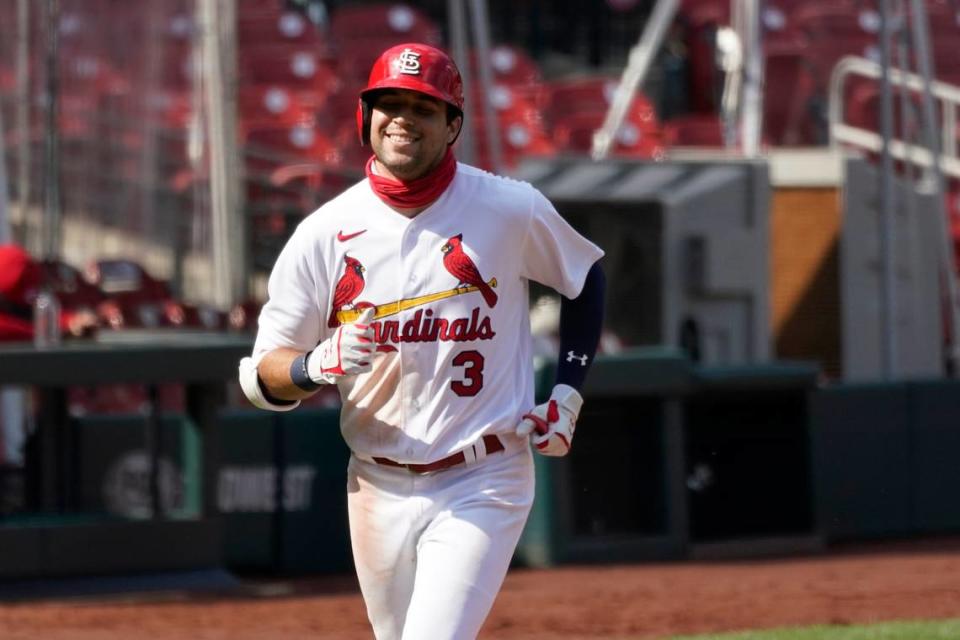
347	352
551	425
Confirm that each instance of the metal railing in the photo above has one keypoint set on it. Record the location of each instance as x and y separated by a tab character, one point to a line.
935	162
947	95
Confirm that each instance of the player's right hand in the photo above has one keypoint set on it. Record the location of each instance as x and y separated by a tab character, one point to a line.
347	352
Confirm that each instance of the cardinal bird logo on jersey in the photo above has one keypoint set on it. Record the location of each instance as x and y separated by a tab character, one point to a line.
461	267
348	288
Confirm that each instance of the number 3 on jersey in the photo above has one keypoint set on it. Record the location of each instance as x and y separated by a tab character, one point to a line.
472	363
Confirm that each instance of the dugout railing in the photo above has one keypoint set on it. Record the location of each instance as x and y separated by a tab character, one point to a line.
51	536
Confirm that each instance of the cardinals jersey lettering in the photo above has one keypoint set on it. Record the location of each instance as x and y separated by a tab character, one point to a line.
450	290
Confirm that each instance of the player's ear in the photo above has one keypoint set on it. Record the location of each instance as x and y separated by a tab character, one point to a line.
453	129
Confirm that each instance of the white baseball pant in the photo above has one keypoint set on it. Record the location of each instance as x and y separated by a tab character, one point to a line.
432	550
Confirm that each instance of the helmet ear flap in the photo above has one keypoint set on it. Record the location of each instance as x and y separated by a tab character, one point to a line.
363	121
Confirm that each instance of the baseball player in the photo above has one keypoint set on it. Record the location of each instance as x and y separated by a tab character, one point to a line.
409	292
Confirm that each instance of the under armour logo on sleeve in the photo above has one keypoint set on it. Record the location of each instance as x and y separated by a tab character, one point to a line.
571	356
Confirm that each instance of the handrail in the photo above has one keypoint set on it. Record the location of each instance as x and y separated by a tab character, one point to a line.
841	132
946	161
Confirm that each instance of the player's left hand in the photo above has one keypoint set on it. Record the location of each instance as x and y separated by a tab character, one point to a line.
551	424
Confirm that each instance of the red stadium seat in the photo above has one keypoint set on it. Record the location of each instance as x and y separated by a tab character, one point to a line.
789	89
387	20
591	95
863	107
268	147
944	22
953	215
521	126
360	33
260	9
777	16
577	95
694	130
574	133
8	79
514	69
272	104
289	27
510	65
518	139
824	53
830	19
578	106
289	66
705	10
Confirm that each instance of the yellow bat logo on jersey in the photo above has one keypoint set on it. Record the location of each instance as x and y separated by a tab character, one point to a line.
392	308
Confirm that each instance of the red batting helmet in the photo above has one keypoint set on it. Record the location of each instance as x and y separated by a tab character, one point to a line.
414	66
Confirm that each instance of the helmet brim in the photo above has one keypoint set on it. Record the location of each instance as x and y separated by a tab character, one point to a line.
410	84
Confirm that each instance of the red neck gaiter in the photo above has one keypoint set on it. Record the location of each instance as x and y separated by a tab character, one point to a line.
415	193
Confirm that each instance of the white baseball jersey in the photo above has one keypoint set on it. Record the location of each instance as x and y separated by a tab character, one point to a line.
450	287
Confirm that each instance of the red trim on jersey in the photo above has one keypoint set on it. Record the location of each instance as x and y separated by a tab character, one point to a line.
414	193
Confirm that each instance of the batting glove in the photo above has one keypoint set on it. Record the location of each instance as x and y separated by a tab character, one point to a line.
551	425
347	352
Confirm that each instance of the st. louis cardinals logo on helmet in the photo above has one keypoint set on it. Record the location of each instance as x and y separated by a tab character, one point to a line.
409	62
415	67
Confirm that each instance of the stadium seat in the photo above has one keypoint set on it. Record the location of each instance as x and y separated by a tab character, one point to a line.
520	139
267	147
290	66
863	106
953	217
946	62
592	94
261	105
789	100
826	19
521	127
289	27
824	53
574	134
702	10
8	79
387	20
694	130
777	17
510	65
261	9
513	68
944	19
359	33
576	107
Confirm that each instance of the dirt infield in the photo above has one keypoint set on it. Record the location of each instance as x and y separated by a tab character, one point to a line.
864	584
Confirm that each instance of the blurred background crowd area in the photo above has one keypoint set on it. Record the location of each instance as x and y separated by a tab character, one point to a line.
132	150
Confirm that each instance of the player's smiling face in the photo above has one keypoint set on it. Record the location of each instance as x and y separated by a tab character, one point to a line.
409	133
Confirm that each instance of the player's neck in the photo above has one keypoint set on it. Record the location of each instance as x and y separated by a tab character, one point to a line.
410	197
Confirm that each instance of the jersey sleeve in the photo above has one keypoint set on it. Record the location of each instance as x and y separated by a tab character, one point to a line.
554	253
291	317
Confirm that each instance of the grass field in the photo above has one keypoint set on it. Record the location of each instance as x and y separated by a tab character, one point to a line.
913	630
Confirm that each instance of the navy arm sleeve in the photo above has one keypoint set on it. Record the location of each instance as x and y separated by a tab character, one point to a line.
581	321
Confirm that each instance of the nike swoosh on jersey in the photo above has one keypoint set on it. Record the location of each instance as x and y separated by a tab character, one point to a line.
343	237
